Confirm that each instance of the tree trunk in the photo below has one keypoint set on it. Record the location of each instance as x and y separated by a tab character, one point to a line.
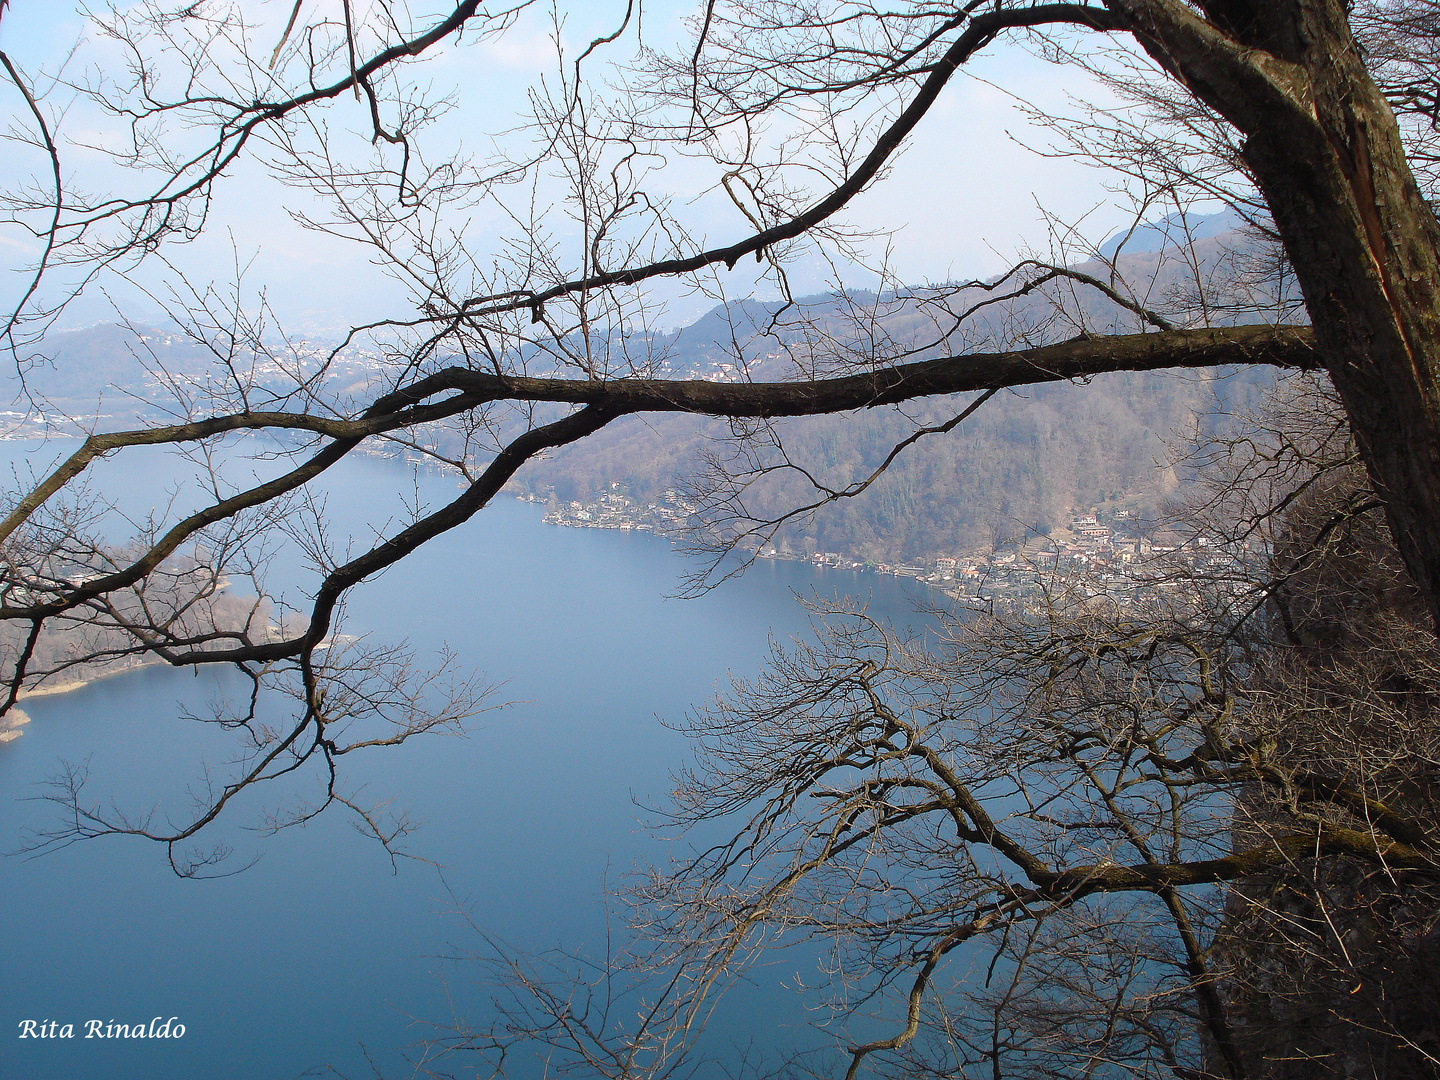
1326	152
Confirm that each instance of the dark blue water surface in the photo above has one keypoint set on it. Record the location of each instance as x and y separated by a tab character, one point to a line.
322	954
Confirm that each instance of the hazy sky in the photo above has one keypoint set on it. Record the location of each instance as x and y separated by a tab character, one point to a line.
962	201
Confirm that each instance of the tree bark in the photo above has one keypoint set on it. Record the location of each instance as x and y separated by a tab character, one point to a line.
1326	153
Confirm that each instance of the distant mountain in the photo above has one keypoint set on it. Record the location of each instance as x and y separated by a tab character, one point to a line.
111	377
1173	231
1024	463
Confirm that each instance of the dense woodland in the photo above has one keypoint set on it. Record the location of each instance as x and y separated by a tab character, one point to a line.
1020	466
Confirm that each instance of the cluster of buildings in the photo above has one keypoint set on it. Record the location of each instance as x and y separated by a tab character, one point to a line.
1104	551
19	425
616	510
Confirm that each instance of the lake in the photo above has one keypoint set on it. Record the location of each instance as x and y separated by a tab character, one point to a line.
323	958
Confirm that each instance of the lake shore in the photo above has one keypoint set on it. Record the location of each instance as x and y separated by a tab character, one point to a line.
11	724
69	685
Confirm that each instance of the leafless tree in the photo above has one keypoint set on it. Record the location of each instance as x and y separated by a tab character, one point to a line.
532	348
912	802
1186	830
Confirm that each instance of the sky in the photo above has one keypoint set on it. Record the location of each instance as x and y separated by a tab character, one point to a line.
963	200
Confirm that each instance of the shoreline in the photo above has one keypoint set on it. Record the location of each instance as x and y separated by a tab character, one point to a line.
68	686
11	724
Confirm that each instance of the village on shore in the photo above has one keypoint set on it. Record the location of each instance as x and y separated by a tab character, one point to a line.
1107	550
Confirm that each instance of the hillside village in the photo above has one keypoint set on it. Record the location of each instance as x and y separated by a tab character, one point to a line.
1106	549
1030	488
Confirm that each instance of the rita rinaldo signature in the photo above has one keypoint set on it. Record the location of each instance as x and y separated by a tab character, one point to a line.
158	1028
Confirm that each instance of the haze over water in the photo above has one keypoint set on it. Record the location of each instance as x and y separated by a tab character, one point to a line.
322	947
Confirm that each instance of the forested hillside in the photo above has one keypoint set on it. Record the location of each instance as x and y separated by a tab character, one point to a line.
1021	464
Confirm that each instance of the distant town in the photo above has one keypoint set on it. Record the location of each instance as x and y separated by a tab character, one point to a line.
1104	549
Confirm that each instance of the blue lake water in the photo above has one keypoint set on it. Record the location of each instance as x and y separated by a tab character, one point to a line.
321	956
